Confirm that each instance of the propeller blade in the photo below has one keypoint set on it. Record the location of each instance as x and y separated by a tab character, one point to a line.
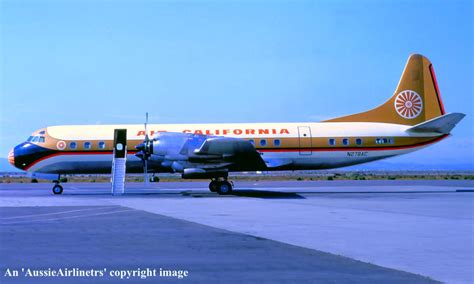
145	171
145	149
140	147
146	128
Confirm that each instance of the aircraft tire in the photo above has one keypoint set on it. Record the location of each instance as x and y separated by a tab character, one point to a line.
213	185
57	189
224	188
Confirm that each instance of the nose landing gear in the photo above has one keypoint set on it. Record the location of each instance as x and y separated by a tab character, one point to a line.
222	187
57	188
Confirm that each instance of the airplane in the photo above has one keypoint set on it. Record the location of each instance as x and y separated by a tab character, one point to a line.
412	119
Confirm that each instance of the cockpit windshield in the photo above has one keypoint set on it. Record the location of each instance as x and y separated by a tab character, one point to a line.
37	139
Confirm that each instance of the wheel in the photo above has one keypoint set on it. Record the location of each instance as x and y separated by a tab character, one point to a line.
57	189
224	187
213	185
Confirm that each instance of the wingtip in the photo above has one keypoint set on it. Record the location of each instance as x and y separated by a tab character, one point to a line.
458	114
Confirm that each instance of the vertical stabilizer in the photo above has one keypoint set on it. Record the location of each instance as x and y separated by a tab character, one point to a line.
416	98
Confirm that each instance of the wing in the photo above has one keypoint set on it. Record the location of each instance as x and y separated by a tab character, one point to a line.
201	156
232	153
241	152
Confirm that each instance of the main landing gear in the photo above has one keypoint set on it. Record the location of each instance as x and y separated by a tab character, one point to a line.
222	187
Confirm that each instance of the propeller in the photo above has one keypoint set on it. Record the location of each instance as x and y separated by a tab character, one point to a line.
145	149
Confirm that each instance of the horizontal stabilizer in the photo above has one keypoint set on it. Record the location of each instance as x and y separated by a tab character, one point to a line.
441	124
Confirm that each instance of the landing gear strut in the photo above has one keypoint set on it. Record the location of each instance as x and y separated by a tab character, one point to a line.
220	186
57	188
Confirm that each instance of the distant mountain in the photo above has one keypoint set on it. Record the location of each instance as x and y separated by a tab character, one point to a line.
5	166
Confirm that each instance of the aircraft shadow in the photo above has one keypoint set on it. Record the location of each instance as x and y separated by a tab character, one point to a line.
266	194
236	193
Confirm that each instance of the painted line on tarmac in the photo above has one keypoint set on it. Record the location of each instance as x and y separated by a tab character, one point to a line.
56	213
65	218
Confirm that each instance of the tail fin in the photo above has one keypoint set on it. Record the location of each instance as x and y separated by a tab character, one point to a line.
415	100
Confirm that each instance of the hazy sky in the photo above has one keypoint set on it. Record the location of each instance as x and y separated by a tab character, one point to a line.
101	62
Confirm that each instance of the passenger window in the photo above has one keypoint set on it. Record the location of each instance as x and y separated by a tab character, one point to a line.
345	141
332	142
263	142
101	145
252	141
87	145
358	141
73	145
41	139
384	141
277	142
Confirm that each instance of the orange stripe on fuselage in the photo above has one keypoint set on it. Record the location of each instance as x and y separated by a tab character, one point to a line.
335	149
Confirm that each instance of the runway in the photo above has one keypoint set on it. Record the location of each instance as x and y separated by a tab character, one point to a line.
273	232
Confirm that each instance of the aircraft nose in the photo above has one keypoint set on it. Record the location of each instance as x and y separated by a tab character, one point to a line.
11	157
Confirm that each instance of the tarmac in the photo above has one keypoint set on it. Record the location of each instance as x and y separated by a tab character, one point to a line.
266	232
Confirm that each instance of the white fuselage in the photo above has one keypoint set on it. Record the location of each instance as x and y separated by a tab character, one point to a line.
288	146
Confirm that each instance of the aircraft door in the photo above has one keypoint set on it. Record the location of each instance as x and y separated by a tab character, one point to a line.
304	137
120	143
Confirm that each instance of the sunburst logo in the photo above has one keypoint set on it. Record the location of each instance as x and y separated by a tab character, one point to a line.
408	104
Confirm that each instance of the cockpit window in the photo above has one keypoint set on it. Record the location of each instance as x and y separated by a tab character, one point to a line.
39	139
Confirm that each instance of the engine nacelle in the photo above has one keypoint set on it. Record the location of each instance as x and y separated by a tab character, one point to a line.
168	143
172	149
